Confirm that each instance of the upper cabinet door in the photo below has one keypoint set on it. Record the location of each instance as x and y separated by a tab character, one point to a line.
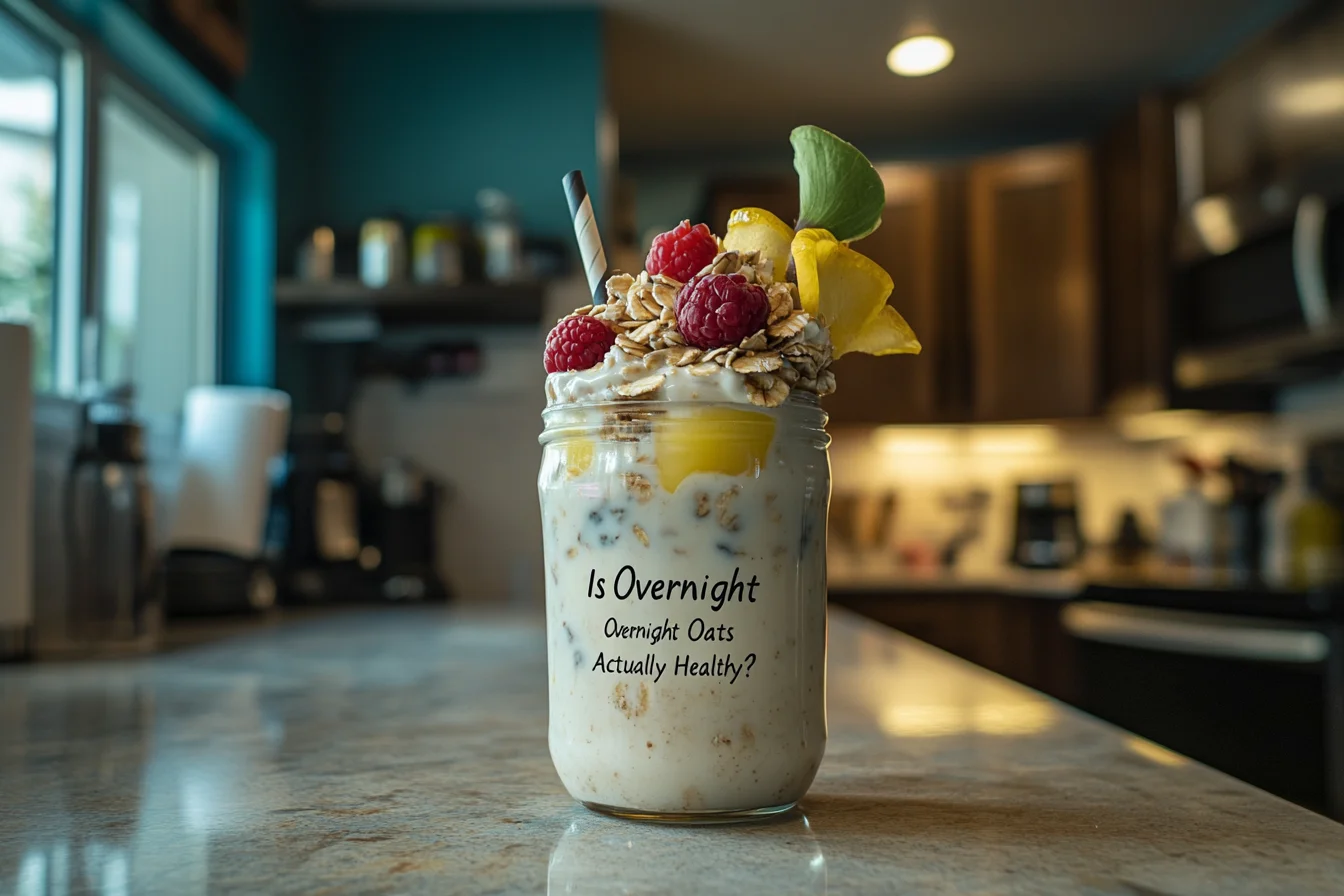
778	195
1033	285
900	388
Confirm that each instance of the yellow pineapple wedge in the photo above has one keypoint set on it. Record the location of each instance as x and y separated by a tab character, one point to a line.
711	440
755	229
848	291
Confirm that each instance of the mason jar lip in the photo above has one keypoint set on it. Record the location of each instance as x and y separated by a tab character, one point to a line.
571	420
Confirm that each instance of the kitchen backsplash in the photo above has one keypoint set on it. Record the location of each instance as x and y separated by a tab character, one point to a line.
1117	465
479	437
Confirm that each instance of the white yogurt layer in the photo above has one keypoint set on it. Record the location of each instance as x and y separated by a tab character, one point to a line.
598	384
618	367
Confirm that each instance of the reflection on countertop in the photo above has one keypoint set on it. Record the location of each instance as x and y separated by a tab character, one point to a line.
596	856
405	751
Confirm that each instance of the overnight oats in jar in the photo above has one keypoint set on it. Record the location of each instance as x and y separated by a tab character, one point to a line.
684	487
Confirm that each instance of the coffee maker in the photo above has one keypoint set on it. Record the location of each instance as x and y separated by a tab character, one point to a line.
94	566
317	525
404	532
350	528
346	537
1046	534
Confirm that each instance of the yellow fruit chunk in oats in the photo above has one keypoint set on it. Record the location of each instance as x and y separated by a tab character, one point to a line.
711	440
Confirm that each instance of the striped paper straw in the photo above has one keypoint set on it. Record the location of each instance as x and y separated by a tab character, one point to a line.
585	231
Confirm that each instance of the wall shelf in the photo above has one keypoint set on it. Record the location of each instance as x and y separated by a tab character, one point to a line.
473	303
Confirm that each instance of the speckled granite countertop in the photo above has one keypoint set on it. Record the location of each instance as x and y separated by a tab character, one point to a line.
405	752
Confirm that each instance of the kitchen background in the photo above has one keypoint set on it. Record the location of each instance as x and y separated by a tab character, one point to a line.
1114	472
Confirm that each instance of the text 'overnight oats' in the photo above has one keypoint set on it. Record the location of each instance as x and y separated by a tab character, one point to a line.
684	488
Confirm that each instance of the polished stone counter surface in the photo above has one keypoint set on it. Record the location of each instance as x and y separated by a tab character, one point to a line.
850	577
404	751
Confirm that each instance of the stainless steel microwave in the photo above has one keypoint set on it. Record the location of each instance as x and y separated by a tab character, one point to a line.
1258	296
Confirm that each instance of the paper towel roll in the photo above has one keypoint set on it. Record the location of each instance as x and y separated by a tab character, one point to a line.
229	435
16	479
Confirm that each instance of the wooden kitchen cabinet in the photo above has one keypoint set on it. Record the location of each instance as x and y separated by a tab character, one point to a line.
1033	285
774	194
1019	636
1136	191
996	265
919	245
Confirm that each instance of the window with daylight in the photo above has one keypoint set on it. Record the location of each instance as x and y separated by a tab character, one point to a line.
109	221
29	141
157	244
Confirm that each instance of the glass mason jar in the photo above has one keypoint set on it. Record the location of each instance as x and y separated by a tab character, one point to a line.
685	547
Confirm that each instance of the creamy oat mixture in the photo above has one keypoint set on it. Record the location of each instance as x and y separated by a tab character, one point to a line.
686	619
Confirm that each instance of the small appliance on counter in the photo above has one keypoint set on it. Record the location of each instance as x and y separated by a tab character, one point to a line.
1316	526
315	525
58	427
1252	487
405	533
342	538
1129	545
216	561
16	492
95	565
1046	534
1189	525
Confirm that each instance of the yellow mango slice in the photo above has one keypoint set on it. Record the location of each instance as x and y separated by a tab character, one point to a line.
578	455
848	291
885	334
755	229
711	440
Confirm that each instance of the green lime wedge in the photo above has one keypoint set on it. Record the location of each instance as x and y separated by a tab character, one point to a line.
839	190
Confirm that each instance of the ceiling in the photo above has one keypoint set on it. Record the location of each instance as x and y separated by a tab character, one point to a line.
711	75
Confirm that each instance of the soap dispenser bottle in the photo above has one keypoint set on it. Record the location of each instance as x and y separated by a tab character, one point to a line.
1188	526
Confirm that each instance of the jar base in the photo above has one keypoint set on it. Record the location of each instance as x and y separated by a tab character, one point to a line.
707	816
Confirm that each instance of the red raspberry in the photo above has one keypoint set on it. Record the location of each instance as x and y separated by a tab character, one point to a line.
577	343
720	309
682	252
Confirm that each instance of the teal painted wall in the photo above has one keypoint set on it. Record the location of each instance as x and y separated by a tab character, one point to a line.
276	93
417	111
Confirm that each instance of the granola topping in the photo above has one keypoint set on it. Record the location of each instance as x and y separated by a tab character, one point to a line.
651	359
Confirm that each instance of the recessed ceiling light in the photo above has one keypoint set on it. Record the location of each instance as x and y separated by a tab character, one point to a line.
922	54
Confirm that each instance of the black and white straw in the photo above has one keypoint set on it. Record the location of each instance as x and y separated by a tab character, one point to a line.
585	231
